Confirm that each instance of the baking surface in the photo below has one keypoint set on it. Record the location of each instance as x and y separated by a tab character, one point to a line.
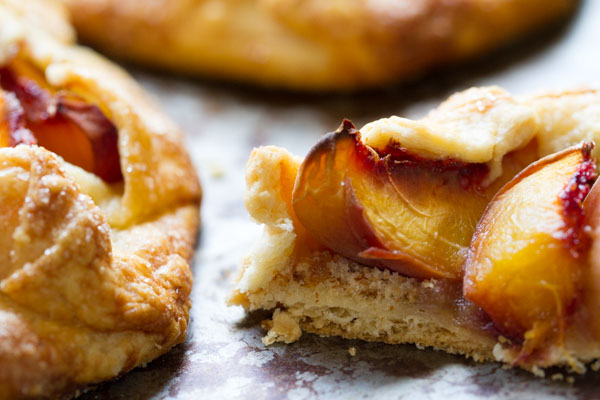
223	356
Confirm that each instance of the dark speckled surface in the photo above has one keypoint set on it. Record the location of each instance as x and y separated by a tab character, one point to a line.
223	356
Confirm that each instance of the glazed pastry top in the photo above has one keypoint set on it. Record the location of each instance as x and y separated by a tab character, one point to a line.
482	125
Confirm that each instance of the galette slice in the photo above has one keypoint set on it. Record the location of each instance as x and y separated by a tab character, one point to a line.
468	231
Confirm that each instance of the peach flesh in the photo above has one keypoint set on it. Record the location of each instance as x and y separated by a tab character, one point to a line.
410	215
529	250
64	124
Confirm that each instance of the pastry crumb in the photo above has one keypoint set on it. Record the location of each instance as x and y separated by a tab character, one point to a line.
557	377
352	351
282	328
537	371
498	352
570	379
428	284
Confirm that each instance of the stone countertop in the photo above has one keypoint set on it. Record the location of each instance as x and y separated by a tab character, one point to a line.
223	356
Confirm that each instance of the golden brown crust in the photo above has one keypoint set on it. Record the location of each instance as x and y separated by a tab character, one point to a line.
307	45
94	278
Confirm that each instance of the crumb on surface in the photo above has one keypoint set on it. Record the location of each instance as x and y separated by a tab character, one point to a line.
352	351
539	372
282	328
557	377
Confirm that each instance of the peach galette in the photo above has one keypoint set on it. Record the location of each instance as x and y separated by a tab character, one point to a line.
308	44
472	230
98	213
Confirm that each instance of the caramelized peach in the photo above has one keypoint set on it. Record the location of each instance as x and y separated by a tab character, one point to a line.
398	211
591	206
4	128
66	125
82	135
529	250
65	138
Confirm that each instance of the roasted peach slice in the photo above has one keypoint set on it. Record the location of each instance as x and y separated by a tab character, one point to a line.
61	122
397	211
4	126
83	136
529	251
591	206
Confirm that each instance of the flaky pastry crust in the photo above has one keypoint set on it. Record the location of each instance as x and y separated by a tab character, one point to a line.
95	278
307	44
313	289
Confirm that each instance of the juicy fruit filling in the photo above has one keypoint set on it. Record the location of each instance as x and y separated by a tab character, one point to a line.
60	121
528	255
524	234
393	209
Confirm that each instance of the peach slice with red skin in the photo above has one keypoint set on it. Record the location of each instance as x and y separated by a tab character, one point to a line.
62	123
396	210
591	206
14	131
529	251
